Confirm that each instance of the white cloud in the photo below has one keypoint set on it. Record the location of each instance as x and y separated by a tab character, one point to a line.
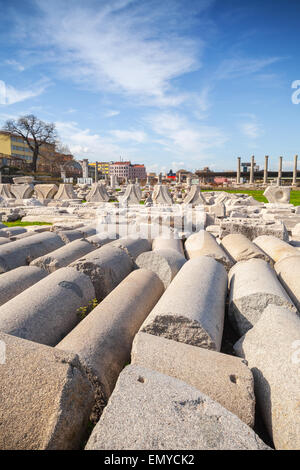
238	67
184	138
11	95
15	64
132	47
251	128
112	113
136	136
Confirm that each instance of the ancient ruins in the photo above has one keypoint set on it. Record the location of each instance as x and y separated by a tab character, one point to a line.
148	317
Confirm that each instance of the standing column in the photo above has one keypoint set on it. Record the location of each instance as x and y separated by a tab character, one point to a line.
266	170
252	170
96	172
279	172
238	173
295	171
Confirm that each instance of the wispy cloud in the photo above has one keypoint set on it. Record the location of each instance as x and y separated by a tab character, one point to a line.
238	67
123	135
112	113
251	128
132	47
15	64
11	95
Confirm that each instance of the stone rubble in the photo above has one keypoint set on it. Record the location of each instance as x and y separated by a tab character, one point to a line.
176	280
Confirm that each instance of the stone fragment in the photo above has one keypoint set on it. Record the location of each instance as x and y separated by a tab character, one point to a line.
192	308
64	256
5	192
98	193
45	191
288	272
272	351
240	248
167	243
253	286
22	252
45	398
16	281
132	246
163	413
131	195
278	194
194	197
48	310
165	263
276	249
161	195
106	267
65	192
104	338
22	191
204	243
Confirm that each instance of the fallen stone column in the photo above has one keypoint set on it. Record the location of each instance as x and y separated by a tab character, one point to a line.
69	236
12	231
104	338
272	351
276	249
153	411
64	256
22	252
225	379
16	281
168	243
132	246
253	286
192	308
240	248
49	309
102	238
106	267
45	398
203	243
165	263
87	230
288	272
4	240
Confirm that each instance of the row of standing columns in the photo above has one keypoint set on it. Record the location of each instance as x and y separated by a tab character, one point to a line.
251	179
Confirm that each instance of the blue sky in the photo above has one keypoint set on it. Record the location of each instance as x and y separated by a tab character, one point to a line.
169	83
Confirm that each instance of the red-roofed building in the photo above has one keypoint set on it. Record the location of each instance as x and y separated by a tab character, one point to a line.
127	170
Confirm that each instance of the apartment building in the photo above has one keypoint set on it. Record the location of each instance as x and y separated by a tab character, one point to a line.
127	170
15	146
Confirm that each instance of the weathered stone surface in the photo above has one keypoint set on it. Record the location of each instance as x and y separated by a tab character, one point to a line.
194	197
69	236
131	195
98	193
45	191
276	249
192	308
63	256
4	240
102	238
106	267
11	231
65	191
45	398
278	194
225	379
253	286
48	310
22	191
97	338
5	191
272	351
240	248
161	195
252	228
165	413
168	243
132	246
165	263
16	281
288	272
23	179
22	252
203	243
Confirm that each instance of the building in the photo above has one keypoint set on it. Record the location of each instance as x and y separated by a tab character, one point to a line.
103	168
171	175
9	161
127	170
245	167
16	146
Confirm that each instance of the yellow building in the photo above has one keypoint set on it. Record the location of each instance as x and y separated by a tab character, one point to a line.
14	146
103	167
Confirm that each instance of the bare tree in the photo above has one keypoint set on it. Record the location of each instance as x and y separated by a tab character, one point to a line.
36	134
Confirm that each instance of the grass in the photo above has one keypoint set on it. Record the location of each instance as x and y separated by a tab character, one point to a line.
19	223
258	194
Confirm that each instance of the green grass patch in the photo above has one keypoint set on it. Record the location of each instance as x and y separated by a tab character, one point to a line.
19	223
258	194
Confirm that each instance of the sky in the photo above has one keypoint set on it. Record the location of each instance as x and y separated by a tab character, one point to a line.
168	83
